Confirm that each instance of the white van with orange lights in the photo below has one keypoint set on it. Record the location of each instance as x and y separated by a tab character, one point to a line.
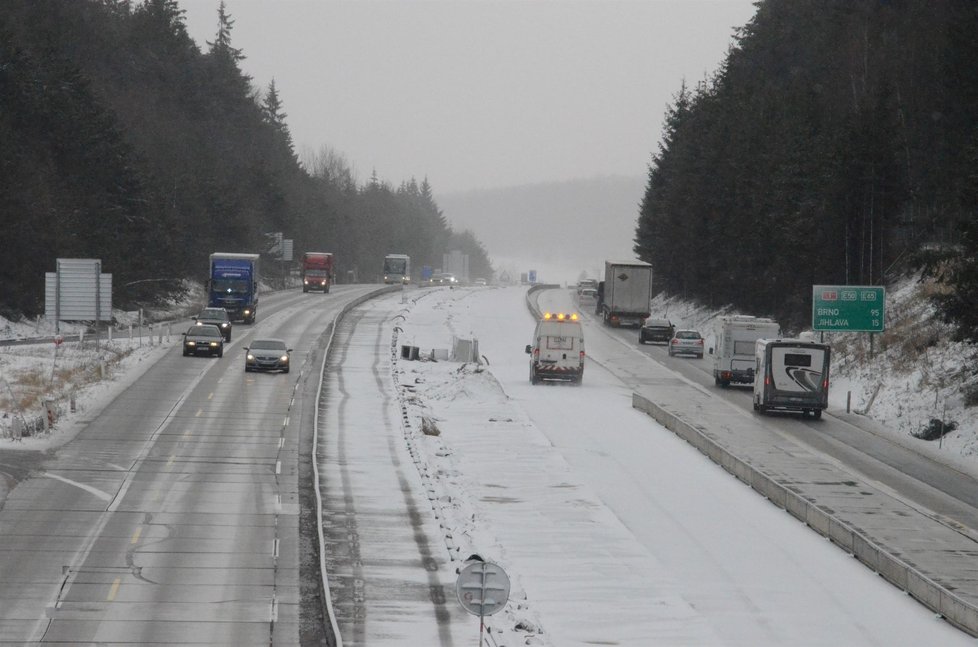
557	351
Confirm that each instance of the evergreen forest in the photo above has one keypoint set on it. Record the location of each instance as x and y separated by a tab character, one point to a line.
837	144
122	139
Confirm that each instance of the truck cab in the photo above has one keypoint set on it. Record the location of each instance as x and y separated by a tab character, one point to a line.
233	285
557	351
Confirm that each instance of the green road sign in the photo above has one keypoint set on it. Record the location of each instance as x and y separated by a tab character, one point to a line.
847	308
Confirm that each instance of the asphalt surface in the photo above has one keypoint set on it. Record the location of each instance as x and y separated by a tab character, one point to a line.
906	513
385	552
855	441
173	516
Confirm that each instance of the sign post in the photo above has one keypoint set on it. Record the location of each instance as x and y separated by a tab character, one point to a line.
848	308
482	589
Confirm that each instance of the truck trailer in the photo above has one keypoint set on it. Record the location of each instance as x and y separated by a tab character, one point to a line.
733	357
233	285
317	271
625	296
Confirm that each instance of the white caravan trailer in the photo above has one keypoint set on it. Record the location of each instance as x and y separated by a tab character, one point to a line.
733	357
792	375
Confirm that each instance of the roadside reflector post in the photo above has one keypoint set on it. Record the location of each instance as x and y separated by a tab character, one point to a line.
848	400
49	413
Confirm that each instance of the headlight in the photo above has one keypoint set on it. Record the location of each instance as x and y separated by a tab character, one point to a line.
191	343
250	357
247	312
225	325
213	343
284	358
198	324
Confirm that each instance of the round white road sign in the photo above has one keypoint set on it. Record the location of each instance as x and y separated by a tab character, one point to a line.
482	588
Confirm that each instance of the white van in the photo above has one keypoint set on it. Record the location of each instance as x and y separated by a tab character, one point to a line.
792	375
557	351
733	357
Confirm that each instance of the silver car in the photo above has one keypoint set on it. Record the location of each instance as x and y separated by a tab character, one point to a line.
688	342
268	355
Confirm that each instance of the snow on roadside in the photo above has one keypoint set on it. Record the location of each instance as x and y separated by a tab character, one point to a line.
913	374
31	373
506	493
122	361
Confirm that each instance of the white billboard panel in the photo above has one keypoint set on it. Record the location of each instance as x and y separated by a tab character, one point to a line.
70	293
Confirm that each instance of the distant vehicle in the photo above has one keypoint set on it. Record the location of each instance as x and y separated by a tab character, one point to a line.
480	282
733	357
557	351
397	269
233	285
792	375
585	284
660	330
217	317
268	355
625	299
686	342
203	339
443	278
588	294
317	271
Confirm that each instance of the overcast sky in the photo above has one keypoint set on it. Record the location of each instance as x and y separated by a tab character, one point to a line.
478	94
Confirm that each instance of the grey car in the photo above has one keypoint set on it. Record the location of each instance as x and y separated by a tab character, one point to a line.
268	355
217	317
688	342
203	339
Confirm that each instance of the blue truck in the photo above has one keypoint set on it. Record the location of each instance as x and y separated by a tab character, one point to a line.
233	285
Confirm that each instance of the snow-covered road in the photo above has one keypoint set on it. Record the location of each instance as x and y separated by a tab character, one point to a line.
614	530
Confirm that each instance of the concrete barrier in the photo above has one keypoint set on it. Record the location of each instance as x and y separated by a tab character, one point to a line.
946	600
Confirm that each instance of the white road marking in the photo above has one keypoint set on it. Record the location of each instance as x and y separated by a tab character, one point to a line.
105	496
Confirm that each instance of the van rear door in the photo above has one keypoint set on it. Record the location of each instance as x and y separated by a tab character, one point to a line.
799	370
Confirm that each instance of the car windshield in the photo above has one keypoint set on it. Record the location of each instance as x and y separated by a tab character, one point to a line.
231	286
395	266
657	322
268	344
213	313
204	331
687	334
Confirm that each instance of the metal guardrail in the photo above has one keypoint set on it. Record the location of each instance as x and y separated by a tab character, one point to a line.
531	301
337	639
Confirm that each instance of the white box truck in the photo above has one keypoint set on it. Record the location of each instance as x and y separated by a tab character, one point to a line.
733	356
792	375
625	296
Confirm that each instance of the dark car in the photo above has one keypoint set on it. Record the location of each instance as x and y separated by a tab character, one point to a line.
203	339
268	355
218	317
686	342
660	330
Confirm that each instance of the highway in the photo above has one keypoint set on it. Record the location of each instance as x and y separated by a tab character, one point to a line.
179	514
173	516
938	488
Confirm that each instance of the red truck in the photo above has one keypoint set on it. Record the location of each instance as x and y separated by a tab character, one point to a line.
317	271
